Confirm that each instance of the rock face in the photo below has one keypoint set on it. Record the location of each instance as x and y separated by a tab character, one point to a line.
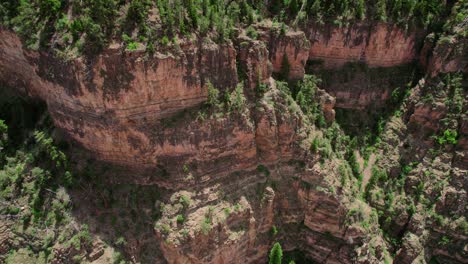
380	45
276	127
448	54
362	64
139	112
328	103
253	60
425	118
100	103
293	47
232	175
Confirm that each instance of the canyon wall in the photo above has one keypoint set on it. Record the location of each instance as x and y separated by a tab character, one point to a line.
362	64
107	95
376	45
139	111
100	102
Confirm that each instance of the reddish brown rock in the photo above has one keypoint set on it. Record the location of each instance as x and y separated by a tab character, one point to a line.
328	104
381	45
449	54
130	109
100	103
275	127
425	117
293	47
253	58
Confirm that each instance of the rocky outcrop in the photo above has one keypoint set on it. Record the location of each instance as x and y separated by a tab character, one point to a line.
234	172
276	127
362	64
444	55
328	105
242	225
425	118
288	52
253	62
380	45
100	102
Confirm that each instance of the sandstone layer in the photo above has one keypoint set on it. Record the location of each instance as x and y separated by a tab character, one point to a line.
234	176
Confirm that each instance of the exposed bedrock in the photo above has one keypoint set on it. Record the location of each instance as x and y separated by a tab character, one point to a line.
362	64
292	47
447	54
145	112
380	45
102	102
233	221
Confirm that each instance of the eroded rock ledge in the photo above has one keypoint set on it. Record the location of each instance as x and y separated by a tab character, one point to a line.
118	106
103	103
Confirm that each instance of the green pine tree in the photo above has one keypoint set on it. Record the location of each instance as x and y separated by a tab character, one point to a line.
285	68
275	6
294	7
276	254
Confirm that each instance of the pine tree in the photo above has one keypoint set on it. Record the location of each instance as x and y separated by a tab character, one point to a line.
360	9
285	68
213	94
381	10
192	13
275	6
294	7
276	254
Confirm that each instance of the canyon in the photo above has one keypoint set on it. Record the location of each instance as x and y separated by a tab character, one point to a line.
99	103
235	176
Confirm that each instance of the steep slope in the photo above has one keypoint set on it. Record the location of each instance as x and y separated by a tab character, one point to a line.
192	152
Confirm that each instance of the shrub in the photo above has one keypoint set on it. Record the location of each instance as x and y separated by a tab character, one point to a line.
3	128
165	229
192	13
261	88
448	137
165	41
213	95
239	101
117	258
252	32
262	169
305	99
354	164
132	46
121	241
411	208
206	226
381	13
227	211
180	219
444	241
50	7
185	168
76	28
46	144
67	179
320	121
344	173
137	11
82	238
315	145
185	201
274	231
